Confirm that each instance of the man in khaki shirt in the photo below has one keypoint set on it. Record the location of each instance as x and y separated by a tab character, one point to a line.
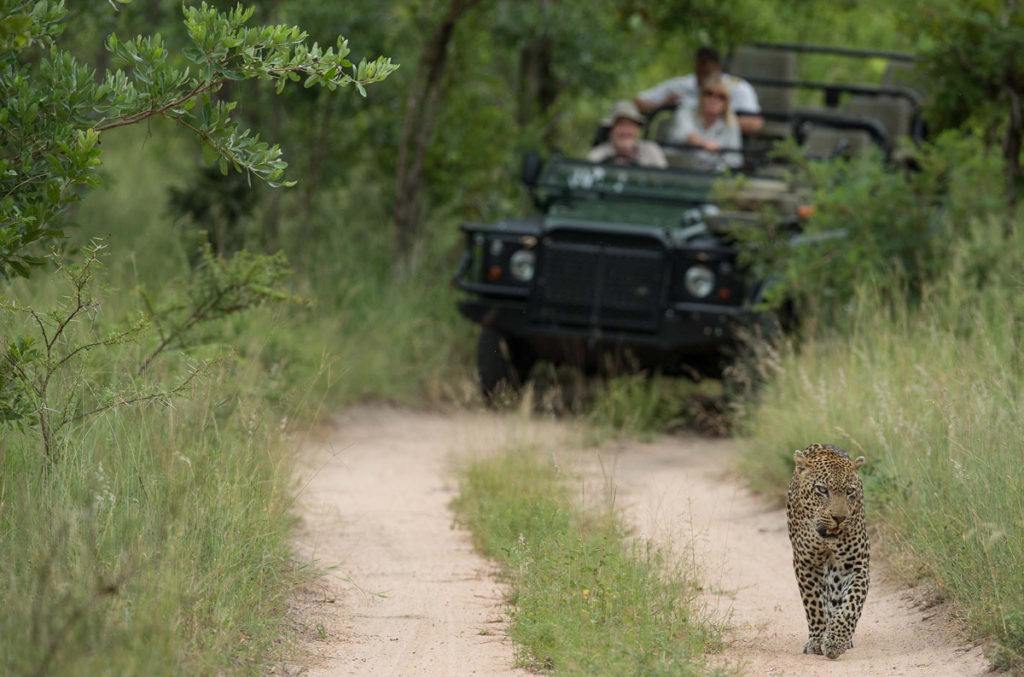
624	145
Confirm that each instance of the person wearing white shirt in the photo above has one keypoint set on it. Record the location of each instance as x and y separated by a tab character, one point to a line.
712	127
684	92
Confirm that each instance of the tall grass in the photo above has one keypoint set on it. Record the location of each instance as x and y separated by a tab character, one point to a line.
642	406
932	397
584	600
158	542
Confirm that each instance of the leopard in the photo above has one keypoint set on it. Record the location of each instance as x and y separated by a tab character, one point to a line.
831	552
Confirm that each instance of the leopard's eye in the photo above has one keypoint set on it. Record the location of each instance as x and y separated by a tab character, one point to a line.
821	489
851	491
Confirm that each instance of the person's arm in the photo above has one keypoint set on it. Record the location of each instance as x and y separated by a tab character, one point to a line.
690	133
751	124
649	105
662	94
747	107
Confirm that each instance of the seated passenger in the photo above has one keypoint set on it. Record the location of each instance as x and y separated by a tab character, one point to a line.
712	126
684	92
624	145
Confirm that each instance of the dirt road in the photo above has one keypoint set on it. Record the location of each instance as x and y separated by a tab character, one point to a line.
405	593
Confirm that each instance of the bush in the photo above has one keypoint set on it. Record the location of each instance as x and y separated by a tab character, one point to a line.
899	227
159	544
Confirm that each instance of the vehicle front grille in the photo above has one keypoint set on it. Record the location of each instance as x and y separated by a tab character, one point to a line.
609	282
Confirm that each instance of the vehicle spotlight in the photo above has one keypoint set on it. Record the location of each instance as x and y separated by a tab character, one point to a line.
700	281
521	264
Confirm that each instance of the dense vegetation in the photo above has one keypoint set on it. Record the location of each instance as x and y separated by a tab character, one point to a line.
144	480
584	600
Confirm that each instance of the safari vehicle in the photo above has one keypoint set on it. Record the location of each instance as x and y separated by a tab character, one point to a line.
641	266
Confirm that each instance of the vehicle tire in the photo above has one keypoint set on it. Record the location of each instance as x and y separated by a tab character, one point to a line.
503	365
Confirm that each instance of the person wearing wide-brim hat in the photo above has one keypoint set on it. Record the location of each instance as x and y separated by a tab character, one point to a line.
624	145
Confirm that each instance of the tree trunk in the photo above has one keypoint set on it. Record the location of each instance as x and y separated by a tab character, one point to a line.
1012	146
537	87
418	127
317	156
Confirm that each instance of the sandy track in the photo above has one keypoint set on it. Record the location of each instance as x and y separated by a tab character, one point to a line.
679	492
407	595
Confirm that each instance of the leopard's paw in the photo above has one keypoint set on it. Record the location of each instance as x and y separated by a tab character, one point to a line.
833	649
813	646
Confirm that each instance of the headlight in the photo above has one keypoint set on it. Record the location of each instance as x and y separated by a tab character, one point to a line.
700	281
521	264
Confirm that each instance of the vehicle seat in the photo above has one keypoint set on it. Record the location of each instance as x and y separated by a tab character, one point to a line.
663	127
824	142
757	62
894	114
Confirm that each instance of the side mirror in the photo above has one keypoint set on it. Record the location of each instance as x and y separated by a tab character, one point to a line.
531	167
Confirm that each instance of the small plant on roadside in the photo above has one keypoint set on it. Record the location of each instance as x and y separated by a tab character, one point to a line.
38	369
218	287
43	380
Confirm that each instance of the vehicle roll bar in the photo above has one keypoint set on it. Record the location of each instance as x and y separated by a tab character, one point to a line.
837	51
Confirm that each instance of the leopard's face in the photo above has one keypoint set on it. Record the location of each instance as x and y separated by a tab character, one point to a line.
828	486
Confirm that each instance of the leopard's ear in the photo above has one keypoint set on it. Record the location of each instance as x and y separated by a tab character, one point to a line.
858	462
800	458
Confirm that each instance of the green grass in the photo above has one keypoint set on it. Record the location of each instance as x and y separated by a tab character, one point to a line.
585	599
933	399
158	544
640	406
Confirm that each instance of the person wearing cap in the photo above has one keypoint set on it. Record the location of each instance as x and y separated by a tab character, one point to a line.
684	91
624	145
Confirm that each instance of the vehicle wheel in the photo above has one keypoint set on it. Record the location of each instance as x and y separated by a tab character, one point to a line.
503	365
744	377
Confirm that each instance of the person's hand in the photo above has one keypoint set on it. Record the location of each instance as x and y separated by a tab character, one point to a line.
673	99
711	146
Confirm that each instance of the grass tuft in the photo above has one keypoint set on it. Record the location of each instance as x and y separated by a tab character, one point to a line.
585	599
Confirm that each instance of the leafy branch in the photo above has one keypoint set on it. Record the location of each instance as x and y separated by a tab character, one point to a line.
218	287
55	109
30	365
